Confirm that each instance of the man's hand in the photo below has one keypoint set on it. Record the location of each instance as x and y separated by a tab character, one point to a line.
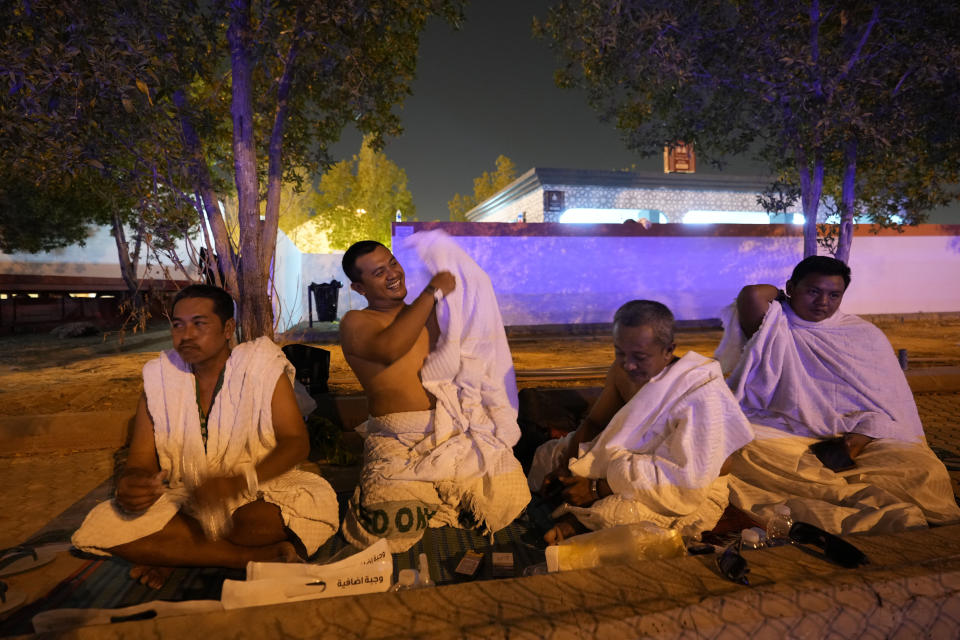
216	491
444	281
855	443
138	489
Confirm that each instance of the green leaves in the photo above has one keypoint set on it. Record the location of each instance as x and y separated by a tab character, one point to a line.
484	186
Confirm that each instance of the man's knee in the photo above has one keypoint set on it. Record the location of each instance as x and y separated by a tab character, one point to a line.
257	523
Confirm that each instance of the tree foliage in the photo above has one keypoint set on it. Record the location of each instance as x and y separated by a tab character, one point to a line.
484	186
856	92
358	199
43	217
208	97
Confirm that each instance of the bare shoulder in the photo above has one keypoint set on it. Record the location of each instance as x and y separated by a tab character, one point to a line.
357	323
619	383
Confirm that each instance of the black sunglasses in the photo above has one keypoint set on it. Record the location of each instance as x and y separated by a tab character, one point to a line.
835	549
732	565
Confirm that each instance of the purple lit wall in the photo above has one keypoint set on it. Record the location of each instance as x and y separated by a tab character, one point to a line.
559	274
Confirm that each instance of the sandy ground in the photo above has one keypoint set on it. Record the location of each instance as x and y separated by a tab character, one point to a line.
42	374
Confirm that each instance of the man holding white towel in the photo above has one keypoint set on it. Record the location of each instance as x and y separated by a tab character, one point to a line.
653	446
441	394
838	434
210	479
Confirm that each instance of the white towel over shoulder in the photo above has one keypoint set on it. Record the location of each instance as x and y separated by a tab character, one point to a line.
240	432
662	452
819	379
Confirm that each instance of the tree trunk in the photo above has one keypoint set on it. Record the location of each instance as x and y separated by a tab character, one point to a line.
256	313
208	204
811	187
128	267
268	239
847	198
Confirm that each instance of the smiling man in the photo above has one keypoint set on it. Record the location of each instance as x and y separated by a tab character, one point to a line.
653	445
838	434
210	479
439	382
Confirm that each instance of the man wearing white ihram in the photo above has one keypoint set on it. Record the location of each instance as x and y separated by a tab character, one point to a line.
838	439
210	479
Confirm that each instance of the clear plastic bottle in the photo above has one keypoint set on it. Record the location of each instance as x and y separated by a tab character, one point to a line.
750	540
778	527
406	580
615	545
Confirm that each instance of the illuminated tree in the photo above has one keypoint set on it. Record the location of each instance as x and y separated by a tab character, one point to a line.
813	88
207	98
358	199
483	187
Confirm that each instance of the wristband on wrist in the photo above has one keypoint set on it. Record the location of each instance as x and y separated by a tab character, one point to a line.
435	292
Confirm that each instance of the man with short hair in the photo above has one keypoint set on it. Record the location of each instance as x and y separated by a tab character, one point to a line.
210	479
439	382
838	434
653	445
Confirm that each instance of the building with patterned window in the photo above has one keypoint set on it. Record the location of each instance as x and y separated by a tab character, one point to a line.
574	195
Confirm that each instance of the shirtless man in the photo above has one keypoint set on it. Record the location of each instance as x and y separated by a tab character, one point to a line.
154	520
427	462
386	343
654	443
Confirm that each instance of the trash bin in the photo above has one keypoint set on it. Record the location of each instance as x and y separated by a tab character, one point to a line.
324	297
312	365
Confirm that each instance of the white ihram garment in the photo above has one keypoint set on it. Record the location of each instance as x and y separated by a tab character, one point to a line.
240	432
800	382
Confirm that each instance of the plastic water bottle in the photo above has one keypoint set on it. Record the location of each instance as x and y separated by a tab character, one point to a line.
778	527
407	580
615	545
750	540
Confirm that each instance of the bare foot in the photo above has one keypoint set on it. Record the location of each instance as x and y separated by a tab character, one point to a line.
566	527
151	576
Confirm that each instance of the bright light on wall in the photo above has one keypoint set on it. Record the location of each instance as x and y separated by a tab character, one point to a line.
726	217
590	215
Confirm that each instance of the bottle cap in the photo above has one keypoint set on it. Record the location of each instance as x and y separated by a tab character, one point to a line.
553	558
407	577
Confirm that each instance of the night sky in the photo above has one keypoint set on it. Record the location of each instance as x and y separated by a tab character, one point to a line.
487	90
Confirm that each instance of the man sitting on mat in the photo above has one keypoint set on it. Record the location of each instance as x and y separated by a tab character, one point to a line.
838	434
210	479
441	394
653	444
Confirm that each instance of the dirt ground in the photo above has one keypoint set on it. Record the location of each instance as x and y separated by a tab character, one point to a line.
43	374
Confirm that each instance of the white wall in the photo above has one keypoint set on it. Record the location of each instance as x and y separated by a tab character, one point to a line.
98	258
547	279
294	271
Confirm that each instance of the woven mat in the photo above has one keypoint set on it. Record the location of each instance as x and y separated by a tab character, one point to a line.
104	583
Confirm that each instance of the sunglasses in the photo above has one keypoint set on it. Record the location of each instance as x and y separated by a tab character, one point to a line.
835	549
733	566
